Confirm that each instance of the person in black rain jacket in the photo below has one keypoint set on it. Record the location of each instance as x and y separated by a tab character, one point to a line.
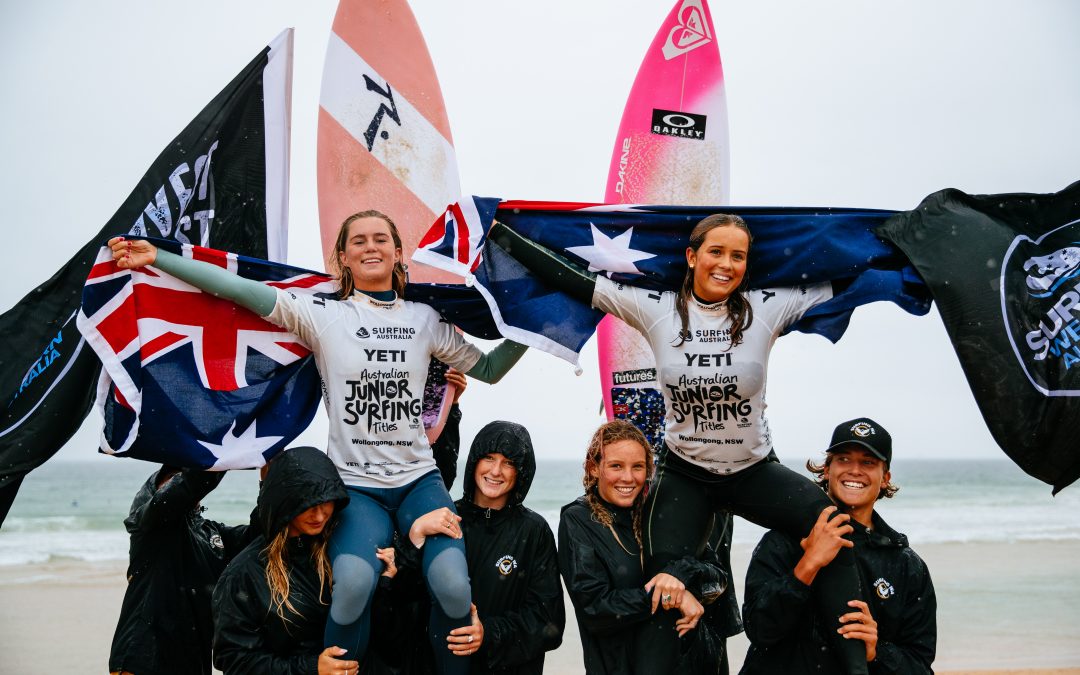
600	561
271	603
176	556
511	554
898	624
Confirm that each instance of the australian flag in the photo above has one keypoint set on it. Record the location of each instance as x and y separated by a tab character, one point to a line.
193	380
645	246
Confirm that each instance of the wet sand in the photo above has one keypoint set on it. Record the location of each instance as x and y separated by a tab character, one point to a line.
60	616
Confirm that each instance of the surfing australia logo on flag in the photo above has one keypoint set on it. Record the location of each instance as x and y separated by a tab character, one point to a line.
1040	302
1004	272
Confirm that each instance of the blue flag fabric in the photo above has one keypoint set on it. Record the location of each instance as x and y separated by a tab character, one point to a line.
645	246
196	381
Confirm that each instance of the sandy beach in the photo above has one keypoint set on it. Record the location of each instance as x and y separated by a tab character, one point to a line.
59	616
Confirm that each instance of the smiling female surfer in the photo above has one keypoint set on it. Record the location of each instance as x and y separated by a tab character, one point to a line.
711	342
600	543
372	349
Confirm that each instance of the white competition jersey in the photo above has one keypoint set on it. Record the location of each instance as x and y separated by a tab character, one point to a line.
714	396
373	357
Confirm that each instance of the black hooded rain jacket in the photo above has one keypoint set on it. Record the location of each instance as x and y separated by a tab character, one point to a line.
249	635
512	563
176	556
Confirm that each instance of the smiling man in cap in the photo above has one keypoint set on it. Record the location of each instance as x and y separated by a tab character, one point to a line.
898	624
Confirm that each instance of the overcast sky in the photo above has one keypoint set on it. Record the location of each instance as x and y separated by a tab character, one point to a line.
845	103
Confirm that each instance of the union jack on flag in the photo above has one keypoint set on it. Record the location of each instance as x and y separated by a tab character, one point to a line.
456	239
193	380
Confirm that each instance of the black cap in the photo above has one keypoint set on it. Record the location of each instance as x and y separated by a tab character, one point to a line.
864	432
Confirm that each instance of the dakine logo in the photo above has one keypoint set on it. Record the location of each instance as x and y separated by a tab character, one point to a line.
884	589
691	31
506	565
678	124
862	430
634	376
363	333
1040	304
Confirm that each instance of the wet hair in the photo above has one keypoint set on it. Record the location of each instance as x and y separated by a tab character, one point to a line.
277	567
343	273
887	489
613	432
738	304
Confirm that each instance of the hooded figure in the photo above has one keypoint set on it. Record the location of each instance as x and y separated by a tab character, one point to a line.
176	556
253	633
511	555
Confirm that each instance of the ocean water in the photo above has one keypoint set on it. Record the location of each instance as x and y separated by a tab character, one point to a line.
75	510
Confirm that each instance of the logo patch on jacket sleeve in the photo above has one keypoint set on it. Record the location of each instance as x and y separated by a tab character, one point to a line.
506	565
216	542
884	589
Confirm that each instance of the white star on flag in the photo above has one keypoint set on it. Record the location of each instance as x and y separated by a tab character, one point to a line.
611	254
240	452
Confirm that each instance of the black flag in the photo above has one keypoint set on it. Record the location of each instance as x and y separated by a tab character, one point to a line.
222	182
1005	273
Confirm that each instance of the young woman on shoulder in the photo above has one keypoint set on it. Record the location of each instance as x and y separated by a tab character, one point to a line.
372	348
711	341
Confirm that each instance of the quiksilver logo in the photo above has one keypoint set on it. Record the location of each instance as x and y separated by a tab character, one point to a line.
1040	304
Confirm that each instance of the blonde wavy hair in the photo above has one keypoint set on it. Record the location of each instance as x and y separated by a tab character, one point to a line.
613	432
277	569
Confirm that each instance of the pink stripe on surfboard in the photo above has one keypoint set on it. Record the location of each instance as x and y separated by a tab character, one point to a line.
681	73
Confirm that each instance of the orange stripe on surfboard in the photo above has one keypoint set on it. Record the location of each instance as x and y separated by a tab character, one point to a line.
408	65
347	171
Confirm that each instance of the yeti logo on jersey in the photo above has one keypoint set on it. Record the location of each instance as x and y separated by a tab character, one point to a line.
363	333
506	565
884	589
1040	303
216	542
862	430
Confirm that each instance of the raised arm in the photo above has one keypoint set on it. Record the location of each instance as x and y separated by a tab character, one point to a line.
548	266
492	366
136	253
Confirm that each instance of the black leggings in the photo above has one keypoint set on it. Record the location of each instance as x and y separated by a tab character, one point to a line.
679	514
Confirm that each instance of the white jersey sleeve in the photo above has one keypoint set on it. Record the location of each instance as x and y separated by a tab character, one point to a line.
449	346
639	307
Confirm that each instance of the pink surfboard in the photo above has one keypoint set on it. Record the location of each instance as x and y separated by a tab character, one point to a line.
672	148
384	139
